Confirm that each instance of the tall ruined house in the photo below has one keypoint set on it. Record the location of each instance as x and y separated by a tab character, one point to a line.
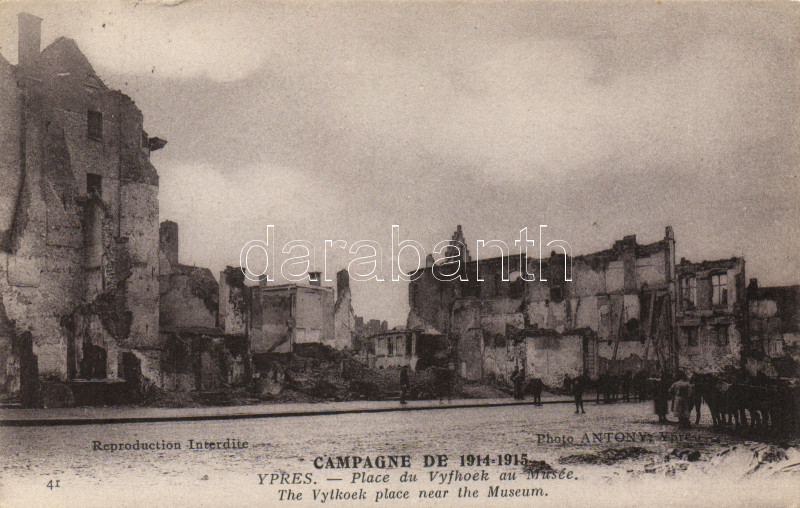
79	230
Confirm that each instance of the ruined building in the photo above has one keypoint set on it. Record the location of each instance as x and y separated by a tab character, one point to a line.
419	349
200	347
78	220
618	312
188	295
712	314
774	314
293	314
277	317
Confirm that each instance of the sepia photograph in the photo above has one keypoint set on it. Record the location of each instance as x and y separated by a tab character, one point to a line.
399	253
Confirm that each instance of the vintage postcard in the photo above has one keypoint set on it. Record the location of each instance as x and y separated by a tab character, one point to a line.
399	253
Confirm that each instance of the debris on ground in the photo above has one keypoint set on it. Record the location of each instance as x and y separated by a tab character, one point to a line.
537	467
315	373
738	461
757	459
606	457
687	454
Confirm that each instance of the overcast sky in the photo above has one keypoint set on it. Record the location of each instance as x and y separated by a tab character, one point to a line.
335	121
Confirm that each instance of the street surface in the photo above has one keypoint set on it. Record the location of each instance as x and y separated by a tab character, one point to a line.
33	456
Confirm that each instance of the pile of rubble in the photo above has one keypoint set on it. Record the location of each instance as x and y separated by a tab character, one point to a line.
316	372
757	459
607	457
746	460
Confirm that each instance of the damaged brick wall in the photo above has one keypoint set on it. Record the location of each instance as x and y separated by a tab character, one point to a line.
277	323
314	315
188	297
11	168
292	314
552	357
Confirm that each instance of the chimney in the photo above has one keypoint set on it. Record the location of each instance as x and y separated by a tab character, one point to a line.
752	290
168	240
315	278
30	38
342	282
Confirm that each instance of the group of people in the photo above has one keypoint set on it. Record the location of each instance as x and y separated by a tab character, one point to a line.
445	377
680	392
535	386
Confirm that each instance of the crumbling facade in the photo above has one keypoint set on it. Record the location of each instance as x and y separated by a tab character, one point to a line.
712	314
290	314
276	317
203	347
616	314
774	345
627	308
188	295
394	348
401	346
78	220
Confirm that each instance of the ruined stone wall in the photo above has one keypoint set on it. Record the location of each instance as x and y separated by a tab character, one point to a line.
234	302
398	357
10	165
343	315
774	322
79	271
550	358
720	329
344	324
430	300
314	319
44	267
274	333
606	294
139	224
499	361
469	336
711	355
188	297
203	361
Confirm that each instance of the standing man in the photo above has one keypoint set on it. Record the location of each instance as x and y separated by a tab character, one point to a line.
451	380
405	384
682	394
661	397
627	382
577	392
519	384
515	382
537	387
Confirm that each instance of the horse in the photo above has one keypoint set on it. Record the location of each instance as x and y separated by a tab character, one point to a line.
640	385
608	386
